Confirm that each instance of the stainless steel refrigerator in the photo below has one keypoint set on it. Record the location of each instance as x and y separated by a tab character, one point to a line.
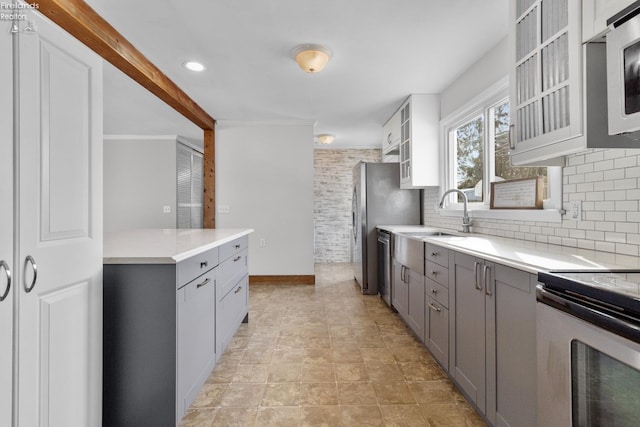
377	200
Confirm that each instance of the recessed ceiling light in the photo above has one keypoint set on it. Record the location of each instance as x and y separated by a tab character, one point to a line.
194	66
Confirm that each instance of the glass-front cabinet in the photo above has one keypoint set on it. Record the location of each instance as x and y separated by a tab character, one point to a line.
419	152
546	80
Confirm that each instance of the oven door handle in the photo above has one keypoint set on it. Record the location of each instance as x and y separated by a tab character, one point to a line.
589	313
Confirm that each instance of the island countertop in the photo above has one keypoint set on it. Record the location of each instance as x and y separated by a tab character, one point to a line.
164	245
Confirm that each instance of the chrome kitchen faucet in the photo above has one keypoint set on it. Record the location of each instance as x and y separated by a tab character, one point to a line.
466	221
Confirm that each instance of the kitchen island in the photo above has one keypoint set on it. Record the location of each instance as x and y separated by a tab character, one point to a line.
173	298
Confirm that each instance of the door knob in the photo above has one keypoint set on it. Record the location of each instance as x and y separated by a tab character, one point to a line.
29	260
7	272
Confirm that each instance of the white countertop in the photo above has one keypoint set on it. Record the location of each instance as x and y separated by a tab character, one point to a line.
521	254
164	246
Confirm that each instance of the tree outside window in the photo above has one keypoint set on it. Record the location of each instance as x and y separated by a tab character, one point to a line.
482	154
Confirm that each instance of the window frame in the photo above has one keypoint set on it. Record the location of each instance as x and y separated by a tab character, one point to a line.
480	105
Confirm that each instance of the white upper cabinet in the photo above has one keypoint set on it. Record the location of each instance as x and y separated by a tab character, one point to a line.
595	14
546	80
391	136
419	157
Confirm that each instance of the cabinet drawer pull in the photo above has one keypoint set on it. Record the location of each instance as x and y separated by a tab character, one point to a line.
434	273
237	246
476	271
434	308
237	290
237	258
204	264
7	272
199	285
29	260
435	254
485	272
434	291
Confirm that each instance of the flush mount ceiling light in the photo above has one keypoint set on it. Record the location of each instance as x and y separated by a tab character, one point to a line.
311	57
194	66
325	138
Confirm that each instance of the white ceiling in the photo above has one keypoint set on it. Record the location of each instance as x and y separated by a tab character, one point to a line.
383	50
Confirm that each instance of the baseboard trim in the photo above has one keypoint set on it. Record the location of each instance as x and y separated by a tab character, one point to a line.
293	280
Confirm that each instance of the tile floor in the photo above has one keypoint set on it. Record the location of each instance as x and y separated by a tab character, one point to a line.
326	355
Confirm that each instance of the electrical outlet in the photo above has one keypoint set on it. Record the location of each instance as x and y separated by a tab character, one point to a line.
575	210
262	243
223	209
166	209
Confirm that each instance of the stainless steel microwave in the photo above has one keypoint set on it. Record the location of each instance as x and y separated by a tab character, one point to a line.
623	71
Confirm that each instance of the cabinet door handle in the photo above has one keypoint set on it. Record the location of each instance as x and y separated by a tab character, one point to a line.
29	260
237	258
204	264
199	285
512	143
237	290
476	271
485	273
434	308
7	272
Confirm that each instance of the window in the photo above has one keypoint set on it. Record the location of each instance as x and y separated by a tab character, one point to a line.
477	154
482	153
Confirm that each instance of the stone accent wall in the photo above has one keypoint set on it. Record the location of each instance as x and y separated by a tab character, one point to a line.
608	184
333	187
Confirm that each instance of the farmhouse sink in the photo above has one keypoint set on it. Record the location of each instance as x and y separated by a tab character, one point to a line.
421	234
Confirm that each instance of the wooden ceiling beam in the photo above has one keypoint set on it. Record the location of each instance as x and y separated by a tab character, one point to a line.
85	24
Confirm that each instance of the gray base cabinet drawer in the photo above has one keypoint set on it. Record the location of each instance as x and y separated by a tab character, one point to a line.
436	254
195	266
437	272
196	340
229	249
438	292
230	271
231	310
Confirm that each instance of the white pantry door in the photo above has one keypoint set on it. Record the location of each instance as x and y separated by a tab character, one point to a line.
6	227
60	211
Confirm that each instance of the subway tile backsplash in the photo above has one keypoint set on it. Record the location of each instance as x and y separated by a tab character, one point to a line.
608	184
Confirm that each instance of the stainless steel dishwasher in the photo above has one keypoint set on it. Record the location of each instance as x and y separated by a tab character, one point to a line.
384	265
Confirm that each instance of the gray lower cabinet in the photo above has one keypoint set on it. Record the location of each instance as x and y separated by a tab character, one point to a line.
232	292
468	348
165	326
408	297
492	341
436	329
399	289
511	336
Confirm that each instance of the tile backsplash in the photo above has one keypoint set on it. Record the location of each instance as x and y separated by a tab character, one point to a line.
606	181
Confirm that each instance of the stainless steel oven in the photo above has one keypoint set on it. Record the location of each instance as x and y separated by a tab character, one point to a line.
588	349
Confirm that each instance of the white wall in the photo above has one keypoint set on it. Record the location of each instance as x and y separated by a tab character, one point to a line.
493	66
139	179
264	174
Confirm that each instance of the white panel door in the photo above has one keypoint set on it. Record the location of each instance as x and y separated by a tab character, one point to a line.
60	208
6	229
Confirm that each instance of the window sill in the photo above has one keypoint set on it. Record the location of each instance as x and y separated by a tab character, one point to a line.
537	215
